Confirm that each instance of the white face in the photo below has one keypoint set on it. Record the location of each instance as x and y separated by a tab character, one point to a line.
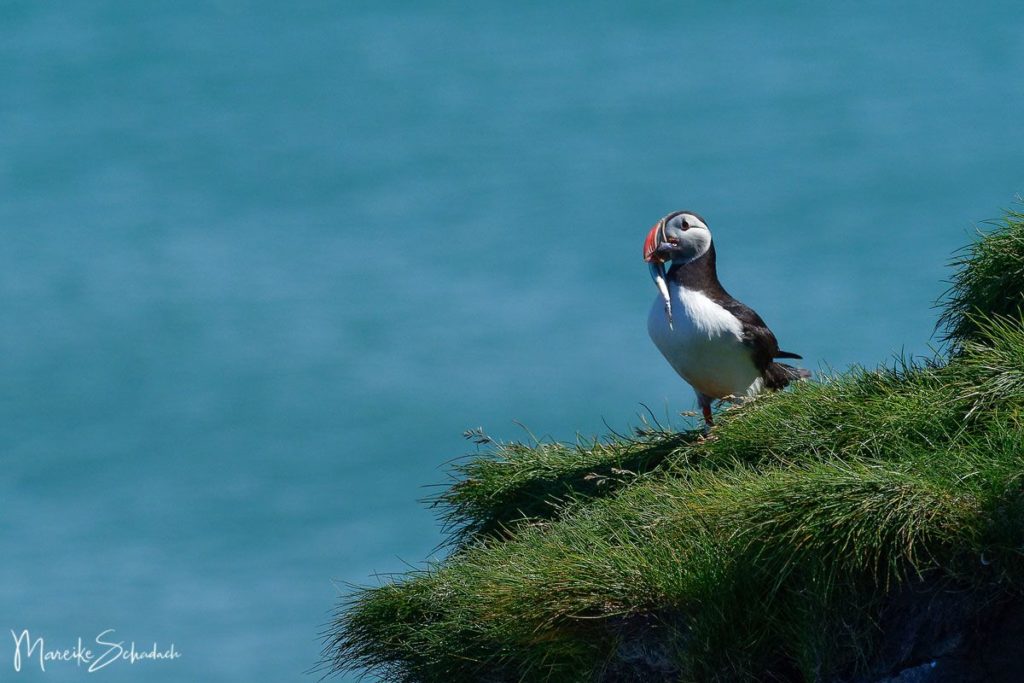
690	236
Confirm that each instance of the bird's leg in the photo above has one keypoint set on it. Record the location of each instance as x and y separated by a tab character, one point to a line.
705	408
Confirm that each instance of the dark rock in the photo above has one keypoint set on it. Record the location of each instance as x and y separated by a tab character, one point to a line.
943	633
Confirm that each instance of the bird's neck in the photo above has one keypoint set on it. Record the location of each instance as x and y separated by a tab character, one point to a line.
699	274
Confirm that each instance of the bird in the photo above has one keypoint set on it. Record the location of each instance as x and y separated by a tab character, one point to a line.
718	345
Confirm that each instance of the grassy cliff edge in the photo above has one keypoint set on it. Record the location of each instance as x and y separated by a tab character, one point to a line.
852	528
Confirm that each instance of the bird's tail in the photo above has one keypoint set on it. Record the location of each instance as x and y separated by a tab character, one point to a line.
778	375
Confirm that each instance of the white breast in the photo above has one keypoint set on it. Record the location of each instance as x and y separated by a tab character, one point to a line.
704	345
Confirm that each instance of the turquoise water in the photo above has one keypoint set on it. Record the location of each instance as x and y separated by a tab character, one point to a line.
263	263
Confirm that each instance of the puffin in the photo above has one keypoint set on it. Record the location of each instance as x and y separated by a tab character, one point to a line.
721	347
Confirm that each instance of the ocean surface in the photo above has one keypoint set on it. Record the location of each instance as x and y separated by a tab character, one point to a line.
262	263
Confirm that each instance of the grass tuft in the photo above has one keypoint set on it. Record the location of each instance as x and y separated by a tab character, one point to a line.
988	280
516	483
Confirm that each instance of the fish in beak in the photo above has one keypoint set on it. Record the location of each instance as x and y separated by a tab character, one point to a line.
654	246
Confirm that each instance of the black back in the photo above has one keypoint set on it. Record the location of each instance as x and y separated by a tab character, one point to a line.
701	275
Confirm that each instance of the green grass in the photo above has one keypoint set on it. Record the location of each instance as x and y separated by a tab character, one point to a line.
517	482
989	279
772	549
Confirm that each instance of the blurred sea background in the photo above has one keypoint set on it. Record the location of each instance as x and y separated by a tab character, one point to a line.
262	263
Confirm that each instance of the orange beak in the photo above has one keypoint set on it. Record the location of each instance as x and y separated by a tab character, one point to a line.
654	239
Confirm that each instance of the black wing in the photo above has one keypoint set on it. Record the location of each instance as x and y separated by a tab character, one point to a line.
756	335
763	347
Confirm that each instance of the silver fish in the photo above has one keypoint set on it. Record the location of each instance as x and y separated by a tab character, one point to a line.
655	243
658	274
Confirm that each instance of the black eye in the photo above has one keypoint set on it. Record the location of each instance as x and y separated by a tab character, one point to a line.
684	225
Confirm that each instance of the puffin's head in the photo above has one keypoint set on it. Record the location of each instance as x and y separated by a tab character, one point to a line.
680	236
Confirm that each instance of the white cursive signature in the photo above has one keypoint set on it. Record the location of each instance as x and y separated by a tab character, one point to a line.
108	651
